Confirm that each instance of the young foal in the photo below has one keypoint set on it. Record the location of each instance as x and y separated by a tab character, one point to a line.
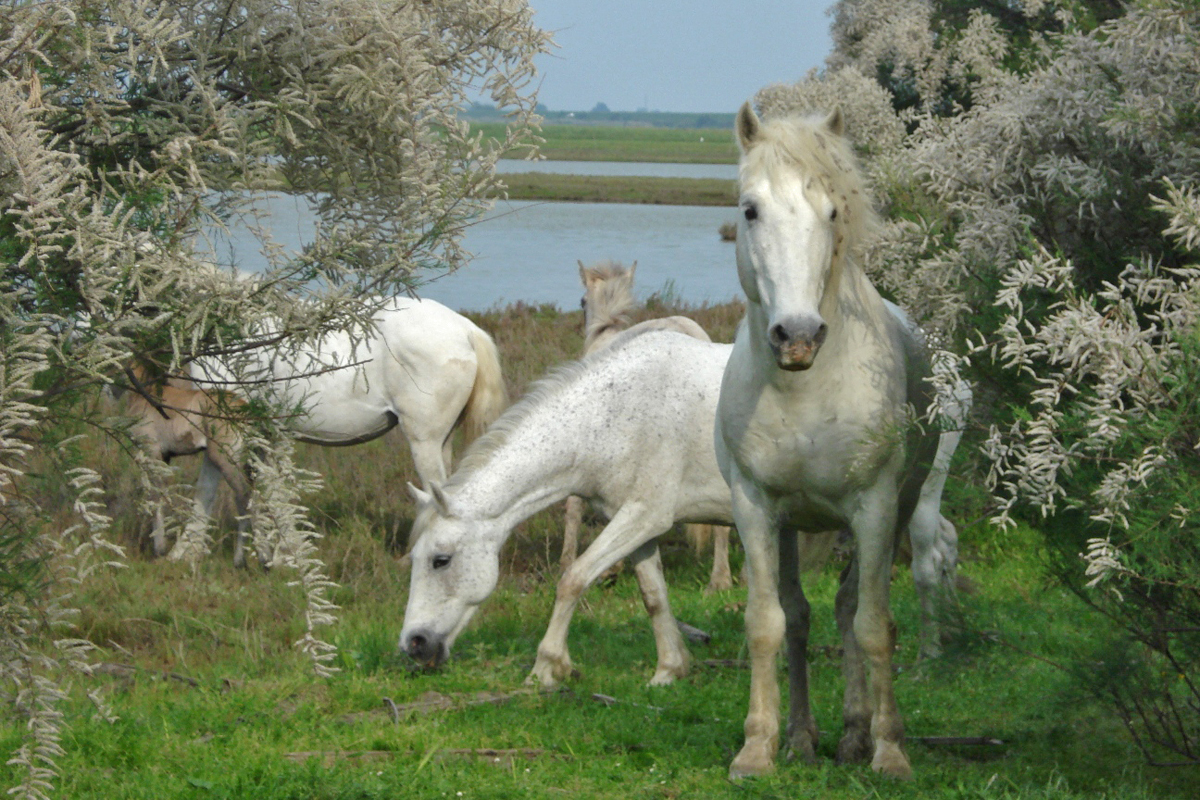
607	303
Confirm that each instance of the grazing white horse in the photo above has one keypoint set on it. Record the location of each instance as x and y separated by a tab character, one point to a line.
627	428
420	366
607	302
817	428
631	429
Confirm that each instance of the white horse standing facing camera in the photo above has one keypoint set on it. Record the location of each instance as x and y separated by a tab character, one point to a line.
817	428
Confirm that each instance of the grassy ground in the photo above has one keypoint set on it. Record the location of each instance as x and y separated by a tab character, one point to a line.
213	700
613	143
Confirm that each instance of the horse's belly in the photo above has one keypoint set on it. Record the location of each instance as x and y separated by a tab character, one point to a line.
338	407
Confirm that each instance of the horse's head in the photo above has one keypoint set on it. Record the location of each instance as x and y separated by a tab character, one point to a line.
455	567
802	206
607	297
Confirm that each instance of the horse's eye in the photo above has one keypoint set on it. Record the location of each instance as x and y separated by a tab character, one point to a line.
583	302
833	214
441	562
751	212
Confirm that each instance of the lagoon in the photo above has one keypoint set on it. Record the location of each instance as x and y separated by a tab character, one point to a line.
528	251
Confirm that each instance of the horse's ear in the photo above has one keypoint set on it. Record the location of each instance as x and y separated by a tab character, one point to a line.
419	496
632	269
439	497
836	122
582	272
747	126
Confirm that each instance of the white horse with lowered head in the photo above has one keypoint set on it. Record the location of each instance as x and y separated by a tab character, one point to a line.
627	428
607	303
818	427
418	366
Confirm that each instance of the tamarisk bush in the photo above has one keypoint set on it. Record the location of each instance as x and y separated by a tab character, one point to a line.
132	129
1043	216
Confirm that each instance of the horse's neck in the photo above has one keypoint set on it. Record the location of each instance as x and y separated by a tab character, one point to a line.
534	468
603	323
599	337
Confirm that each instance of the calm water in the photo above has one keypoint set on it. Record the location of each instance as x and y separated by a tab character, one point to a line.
529	251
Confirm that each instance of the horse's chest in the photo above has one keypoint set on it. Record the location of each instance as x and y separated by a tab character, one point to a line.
822	451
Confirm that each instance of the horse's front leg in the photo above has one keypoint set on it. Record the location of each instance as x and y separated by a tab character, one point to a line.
801	728
764	629
874	539
629	528
673	656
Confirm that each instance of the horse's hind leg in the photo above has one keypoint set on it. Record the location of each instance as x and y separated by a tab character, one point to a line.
801	727
924	532
673	657
721	578
429	460
192	543
855	744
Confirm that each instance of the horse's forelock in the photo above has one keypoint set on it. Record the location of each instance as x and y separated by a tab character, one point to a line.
806	144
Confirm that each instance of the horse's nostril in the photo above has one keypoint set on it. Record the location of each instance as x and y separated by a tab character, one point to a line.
822	329
416	644
778	335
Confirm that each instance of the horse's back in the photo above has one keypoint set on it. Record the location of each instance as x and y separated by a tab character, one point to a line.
655	393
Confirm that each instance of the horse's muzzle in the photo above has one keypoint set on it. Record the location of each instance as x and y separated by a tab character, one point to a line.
426	648
795	346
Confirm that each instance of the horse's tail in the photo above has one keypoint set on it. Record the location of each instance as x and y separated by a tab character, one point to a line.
489	395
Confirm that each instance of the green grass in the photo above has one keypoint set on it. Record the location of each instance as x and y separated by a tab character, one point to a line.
213	701
257	724
623	189
613	143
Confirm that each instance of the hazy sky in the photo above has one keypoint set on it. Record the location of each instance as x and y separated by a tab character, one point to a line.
676	55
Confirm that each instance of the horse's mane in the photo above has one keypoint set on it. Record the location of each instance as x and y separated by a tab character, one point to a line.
611	304
499	432
807	144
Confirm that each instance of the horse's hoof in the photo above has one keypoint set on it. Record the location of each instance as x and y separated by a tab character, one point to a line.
663	677
802	746
717	588
547	677
751	762
854	747
890	760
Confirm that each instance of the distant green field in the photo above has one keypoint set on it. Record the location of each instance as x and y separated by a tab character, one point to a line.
612	143
622	189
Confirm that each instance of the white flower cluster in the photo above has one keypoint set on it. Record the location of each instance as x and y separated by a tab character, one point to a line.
282	530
